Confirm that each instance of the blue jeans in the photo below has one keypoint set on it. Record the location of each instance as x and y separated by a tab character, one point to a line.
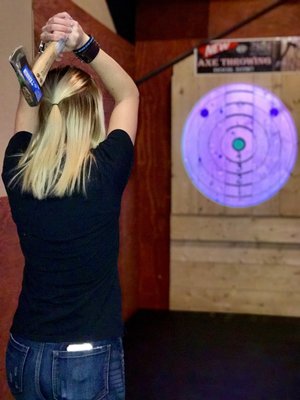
47	371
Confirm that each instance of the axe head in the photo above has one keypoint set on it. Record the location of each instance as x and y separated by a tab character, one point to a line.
30	87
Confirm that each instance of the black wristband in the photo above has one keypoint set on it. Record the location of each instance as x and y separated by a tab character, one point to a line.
88	51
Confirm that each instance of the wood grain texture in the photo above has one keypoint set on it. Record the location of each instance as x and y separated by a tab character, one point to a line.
153	162
236	229
235	253
171	19
11	265
228	259
255	279
282	21
243	277
235	301
153	154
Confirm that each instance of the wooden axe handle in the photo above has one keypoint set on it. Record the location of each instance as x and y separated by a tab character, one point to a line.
43	64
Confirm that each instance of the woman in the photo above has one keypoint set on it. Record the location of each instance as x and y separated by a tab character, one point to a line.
64	178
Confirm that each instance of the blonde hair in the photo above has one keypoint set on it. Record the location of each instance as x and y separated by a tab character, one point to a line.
58	159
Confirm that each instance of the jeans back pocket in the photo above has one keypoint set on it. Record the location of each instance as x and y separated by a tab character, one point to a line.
81	375
16	355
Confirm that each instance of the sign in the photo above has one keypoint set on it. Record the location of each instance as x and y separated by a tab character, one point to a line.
249	55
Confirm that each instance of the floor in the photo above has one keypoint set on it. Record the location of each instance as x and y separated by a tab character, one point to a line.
201	356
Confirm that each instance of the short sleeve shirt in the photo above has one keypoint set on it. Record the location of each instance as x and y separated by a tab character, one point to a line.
70	288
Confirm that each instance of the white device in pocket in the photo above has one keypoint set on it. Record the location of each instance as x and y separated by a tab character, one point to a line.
80	347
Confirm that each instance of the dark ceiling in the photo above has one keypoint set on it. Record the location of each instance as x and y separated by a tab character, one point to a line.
123	15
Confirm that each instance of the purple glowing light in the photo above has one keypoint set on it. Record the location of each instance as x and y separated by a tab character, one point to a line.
204	113
238	154
274	112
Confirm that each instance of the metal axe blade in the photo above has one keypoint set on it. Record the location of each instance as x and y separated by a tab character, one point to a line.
30	87
32	79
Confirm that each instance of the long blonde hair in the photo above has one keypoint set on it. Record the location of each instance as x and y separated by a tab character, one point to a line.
58	159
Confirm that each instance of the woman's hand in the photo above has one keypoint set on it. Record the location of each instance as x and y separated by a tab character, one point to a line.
63	26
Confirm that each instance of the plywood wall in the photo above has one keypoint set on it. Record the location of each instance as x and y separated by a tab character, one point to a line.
99	10
225	259
9	87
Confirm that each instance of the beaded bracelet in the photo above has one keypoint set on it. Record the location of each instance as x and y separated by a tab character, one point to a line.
88	51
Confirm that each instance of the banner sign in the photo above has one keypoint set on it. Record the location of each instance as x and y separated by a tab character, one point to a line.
249	55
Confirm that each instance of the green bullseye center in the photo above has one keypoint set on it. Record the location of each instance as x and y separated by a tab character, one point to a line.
239	144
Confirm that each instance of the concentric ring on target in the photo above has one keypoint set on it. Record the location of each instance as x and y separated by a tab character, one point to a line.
239	145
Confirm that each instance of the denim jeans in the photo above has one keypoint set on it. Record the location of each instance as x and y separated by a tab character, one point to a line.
47	371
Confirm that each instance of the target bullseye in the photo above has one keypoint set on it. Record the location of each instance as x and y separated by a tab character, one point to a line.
239	145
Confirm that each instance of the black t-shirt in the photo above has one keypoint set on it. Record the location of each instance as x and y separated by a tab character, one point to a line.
70	289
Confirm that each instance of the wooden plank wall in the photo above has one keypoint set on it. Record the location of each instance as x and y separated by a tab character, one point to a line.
281	21
225	259
161	34
163	31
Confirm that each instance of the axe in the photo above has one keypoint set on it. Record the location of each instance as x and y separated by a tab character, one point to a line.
32	79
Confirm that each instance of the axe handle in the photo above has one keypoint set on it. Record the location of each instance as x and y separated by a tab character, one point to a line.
43	64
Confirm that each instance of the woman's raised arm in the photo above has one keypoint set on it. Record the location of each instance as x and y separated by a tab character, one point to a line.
115	79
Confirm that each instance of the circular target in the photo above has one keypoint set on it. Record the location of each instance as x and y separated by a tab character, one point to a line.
239	145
